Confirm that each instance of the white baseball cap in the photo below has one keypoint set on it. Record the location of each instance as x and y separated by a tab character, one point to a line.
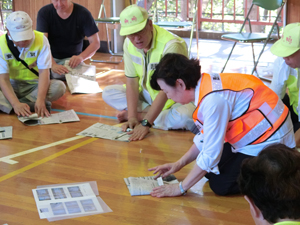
19	25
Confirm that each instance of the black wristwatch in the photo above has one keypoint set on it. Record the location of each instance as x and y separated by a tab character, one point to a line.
146	123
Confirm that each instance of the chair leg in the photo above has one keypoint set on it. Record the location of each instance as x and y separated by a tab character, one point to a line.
261	52
109	50
228	57
195	21
253	54
108	45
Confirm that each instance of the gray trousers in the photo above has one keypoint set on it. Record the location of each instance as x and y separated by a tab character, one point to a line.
28	91
177	117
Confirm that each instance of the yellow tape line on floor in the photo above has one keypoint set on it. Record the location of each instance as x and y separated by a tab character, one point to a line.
37	163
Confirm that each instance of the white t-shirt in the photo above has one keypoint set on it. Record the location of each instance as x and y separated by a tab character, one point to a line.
44	60
281	73
227	105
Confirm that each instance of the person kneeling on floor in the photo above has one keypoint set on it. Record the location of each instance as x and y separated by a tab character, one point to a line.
235	109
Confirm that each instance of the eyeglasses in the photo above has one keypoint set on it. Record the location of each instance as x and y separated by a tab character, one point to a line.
140	33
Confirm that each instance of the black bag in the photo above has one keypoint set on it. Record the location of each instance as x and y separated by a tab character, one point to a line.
16	54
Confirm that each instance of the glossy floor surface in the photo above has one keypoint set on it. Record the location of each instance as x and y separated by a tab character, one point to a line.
53	154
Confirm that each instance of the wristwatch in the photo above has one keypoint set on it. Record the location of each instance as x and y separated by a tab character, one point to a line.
146	123
183	192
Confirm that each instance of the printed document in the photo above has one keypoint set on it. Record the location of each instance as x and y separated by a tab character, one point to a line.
82	79
5	132
101	130
65	201
145	185
62	117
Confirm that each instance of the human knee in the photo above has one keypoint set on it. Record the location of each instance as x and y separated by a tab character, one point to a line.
57	89
107	93
115	96
181	117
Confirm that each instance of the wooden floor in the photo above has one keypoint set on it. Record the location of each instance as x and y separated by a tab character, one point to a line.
106	162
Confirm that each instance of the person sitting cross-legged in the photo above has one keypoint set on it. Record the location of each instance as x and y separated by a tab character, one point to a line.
24	75
140	106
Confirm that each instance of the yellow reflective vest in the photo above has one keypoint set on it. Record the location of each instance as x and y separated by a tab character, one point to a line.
293	91
17	71
162	39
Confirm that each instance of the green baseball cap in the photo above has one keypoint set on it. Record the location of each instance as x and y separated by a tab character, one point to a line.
289	43
133	19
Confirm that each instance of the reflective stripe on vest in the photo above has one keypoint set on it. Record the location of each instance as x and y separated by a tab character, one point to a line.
254	125
271	117
17	70
162	39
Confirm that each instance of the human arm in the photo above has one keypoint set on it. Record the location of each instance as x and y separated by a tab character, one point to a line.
140	131
132	96
21	109
281	72
172	190
210	144
43	64
56	68
88	52
43	86
170	168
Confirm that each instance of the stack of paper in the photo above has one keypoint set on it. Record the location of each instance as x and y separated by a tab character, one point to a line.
101	130
65	201
82	79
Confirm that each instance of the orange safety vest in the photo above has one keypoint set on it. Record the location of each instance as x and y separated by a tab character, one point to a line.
265	113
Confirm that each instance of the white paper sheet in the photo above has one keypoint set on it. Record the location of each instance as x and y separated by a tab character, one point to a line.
101	130
65	201
82	70
62	117
5	132
82	79
145	185
79	84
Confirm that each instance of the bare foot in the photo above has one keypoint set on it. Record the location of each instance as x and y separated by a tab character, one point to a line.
122	116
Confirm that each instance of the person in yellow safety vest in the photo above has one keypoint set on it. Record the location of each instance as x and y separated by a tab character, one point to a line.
235	109
286	74
270	183
138	103
24	74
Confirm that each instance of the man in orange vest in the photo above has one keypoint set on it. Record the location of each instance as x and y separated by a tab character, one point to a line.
234	108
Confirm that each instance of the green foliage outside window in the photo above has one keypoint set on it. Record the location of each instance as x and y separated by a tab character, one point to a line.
7	8
206	12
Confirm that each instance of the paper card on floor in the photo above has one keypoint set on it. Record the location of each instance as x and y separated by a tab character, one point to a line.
5	132
62	117
101	130
65	201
